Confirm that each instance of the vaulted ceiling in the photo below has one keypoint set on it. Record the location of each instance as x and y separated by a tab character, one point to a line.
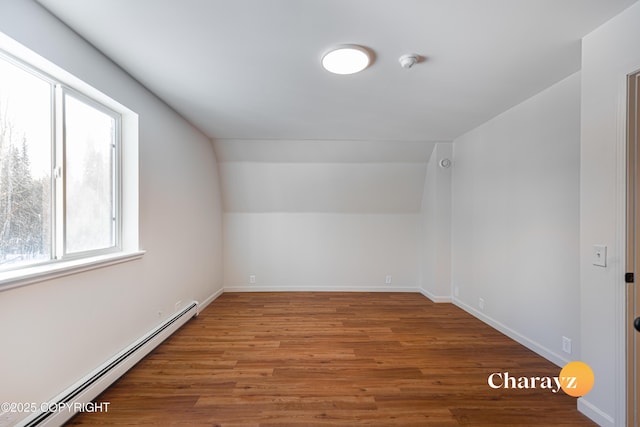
250	69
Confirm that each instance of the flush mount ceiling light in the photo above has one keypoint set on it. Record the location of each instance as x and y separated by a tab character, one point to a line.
346	59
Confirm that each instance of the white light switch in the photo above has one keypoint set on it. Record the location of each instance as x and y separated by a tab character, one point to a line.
599	256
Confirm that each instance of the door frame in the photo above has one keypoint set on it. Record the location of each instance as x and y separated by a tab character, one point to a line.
632	370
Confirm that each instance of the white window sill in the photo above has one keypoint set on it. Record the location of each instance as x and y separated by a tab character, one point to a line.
29	275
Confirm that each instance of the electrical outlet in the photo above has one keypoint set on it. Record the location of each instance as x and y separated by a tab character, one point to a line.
387	279
178	305
456	291
566	345
252	279
481	303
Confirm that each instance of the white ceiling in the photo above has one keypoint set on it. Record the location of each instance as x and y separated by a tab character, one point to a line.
250	69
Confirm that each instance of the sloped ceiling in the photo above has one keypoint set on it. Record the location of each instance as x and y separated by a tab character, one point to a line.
375	177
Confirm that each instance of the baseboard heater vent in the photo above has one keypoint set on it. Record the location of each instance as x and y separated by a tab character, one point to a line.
87	389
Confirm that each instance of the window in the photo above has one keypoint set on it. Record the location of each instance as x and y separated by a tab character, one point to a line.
60	171
90	141
25	167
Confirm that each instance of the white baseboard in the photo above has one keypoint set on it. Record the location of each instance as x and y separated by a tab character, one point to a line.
317	288
584	406
593	412
211	298
516	336
435	298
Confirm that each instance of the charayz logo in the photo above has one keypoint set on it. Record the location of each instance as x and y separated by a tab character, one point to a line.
575	379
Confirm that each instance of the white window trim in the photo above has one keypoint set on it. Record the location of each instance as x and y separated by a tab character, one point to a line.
129	244
60	251
40	273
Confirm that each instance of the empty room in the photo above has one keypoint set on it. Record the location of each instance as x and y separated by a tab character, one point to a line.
314	213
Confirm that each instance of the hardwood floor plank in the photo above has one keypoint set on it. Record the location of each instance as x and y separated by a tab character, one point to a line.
333	359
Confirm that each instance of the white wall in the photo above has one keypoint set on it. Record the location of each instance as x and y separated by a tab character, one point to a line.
515	220
55	332
322	215
608	55
435	227
320	251
353	188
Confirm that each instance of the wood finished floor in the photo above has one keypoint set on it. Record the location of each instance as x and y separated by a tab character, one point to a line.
317	359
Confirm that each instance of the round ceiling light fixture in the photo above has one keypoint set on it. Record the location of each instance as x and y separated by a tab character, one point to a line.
346	59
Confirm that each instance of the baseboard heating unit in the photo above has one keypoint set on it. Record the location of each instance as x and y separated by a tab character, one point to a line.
88	388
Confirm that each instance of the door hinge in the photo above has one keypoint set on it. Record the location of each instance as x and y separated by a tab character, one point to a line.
628	278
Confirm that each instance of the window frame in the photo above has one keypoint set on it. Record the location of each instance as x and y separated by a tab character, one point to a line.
27	68
60	192
125	186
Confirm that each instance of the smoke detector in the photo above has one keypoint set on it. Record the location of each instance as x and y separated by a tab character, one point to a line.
445	163
409	60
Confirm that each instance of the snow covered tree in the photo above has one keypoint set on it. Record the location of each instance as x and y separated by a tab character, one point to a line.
22	207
